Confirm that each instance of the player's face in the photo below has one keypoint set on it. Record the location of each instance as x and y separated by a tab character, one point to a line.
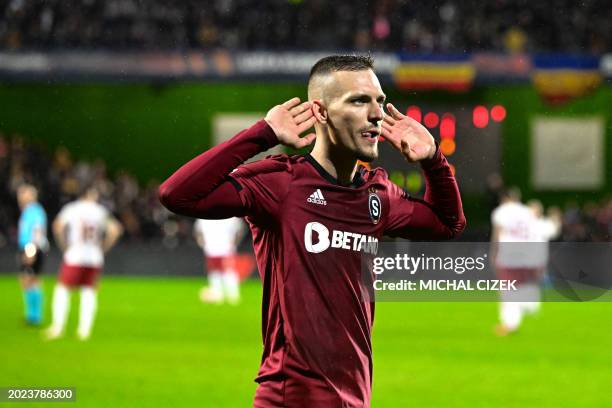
355	112
25	195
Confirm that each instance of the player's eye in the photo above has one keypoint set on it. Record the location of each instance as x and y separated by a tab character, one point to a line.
360	100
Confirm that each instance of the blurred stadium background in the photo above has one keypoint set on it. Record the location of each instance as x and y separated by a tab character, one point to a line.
123	91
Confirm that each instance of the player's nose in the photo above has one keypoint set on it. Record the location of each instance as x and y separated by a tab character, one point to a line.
375	113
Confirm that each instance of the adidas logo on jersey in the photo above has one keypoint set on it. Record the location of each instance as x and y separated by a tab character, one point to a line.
317	198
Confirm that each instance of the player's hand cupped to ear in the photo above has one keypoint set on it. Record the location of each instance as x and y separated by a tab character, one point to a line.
289	120
408	136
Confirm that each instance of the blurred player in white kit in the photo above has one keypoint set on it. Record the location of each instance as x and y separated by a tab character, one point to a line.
520	252
549	226
84	230
219	240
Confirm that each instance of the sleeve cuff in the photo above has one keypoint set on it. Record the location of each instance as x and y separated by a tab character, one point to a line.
235	183
437	159
268	137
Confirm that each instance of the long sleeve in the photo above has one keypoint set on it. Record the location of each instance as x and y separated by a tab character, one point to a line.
202	187
438	216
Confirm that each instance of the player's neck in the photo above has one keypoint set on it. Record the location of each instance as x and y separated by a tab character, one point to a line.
26	205
337	164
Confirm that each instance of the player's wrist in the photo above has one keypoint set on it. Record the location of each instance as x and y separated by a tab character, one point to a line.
435	158
267	134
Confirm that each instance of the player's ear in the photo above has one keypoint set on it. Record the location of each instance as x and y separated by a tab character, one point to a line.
319	111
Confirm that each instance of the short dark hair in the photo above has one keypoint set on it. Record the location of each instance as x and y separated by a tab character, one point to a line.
511	193
335	63
86	187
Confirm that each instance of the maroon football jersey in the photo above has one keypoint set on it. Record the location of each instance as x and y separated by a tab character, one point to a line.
309	235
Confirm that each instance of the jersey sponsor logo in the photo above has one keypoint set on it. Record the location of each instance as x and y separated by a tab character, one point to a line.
337	239
317	198
375	207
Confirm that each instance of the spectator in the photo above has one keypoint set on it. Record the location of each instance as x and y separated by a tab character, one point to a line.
419	26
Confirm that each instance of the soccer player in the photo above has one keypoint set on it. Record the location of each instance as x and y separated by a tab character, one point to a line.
84	230
218	239
520	252
32	241
546	228
312	217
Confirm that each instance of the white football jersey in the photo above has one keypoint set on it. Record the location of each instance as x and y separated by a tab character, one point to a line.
219	235
544	230
86	223
518	228
514	222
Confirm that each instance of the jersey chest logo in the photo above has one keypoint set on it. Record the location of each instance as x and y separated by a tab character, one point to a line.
374	206
317	198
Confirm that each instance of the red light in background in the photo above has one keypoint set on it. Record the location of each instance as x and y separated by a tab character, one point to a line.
414	112
431	120
480	116
498	113
447	126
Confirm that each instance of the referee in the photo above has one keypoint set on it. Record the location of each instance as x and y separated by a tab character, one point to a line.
32	240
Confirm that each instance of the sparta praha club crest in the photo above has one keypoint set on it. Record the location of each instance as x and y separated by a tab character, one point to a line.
374	206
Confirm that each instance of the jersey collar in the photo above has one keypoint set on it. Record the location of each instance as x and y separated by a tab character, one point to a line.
358	179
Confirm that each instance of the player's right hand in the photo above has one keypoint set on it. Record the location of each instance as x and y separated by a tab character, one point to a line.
289	120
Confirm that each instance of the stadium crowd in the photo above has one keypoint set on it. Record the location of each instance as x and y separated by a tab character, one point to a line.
59	178
451	26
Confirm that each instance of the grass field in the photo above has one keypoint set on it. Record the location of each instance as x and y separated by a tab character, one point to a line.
156	345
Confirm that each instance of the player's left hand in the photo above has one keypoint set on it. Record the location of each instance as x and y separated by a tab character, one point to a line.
407	135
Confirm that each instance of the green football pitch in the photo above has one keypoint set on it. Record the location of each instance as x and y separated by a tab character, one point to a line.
156	345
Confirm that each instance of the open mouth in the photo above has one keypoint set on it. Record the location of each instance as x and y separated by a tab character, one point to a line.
371	135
